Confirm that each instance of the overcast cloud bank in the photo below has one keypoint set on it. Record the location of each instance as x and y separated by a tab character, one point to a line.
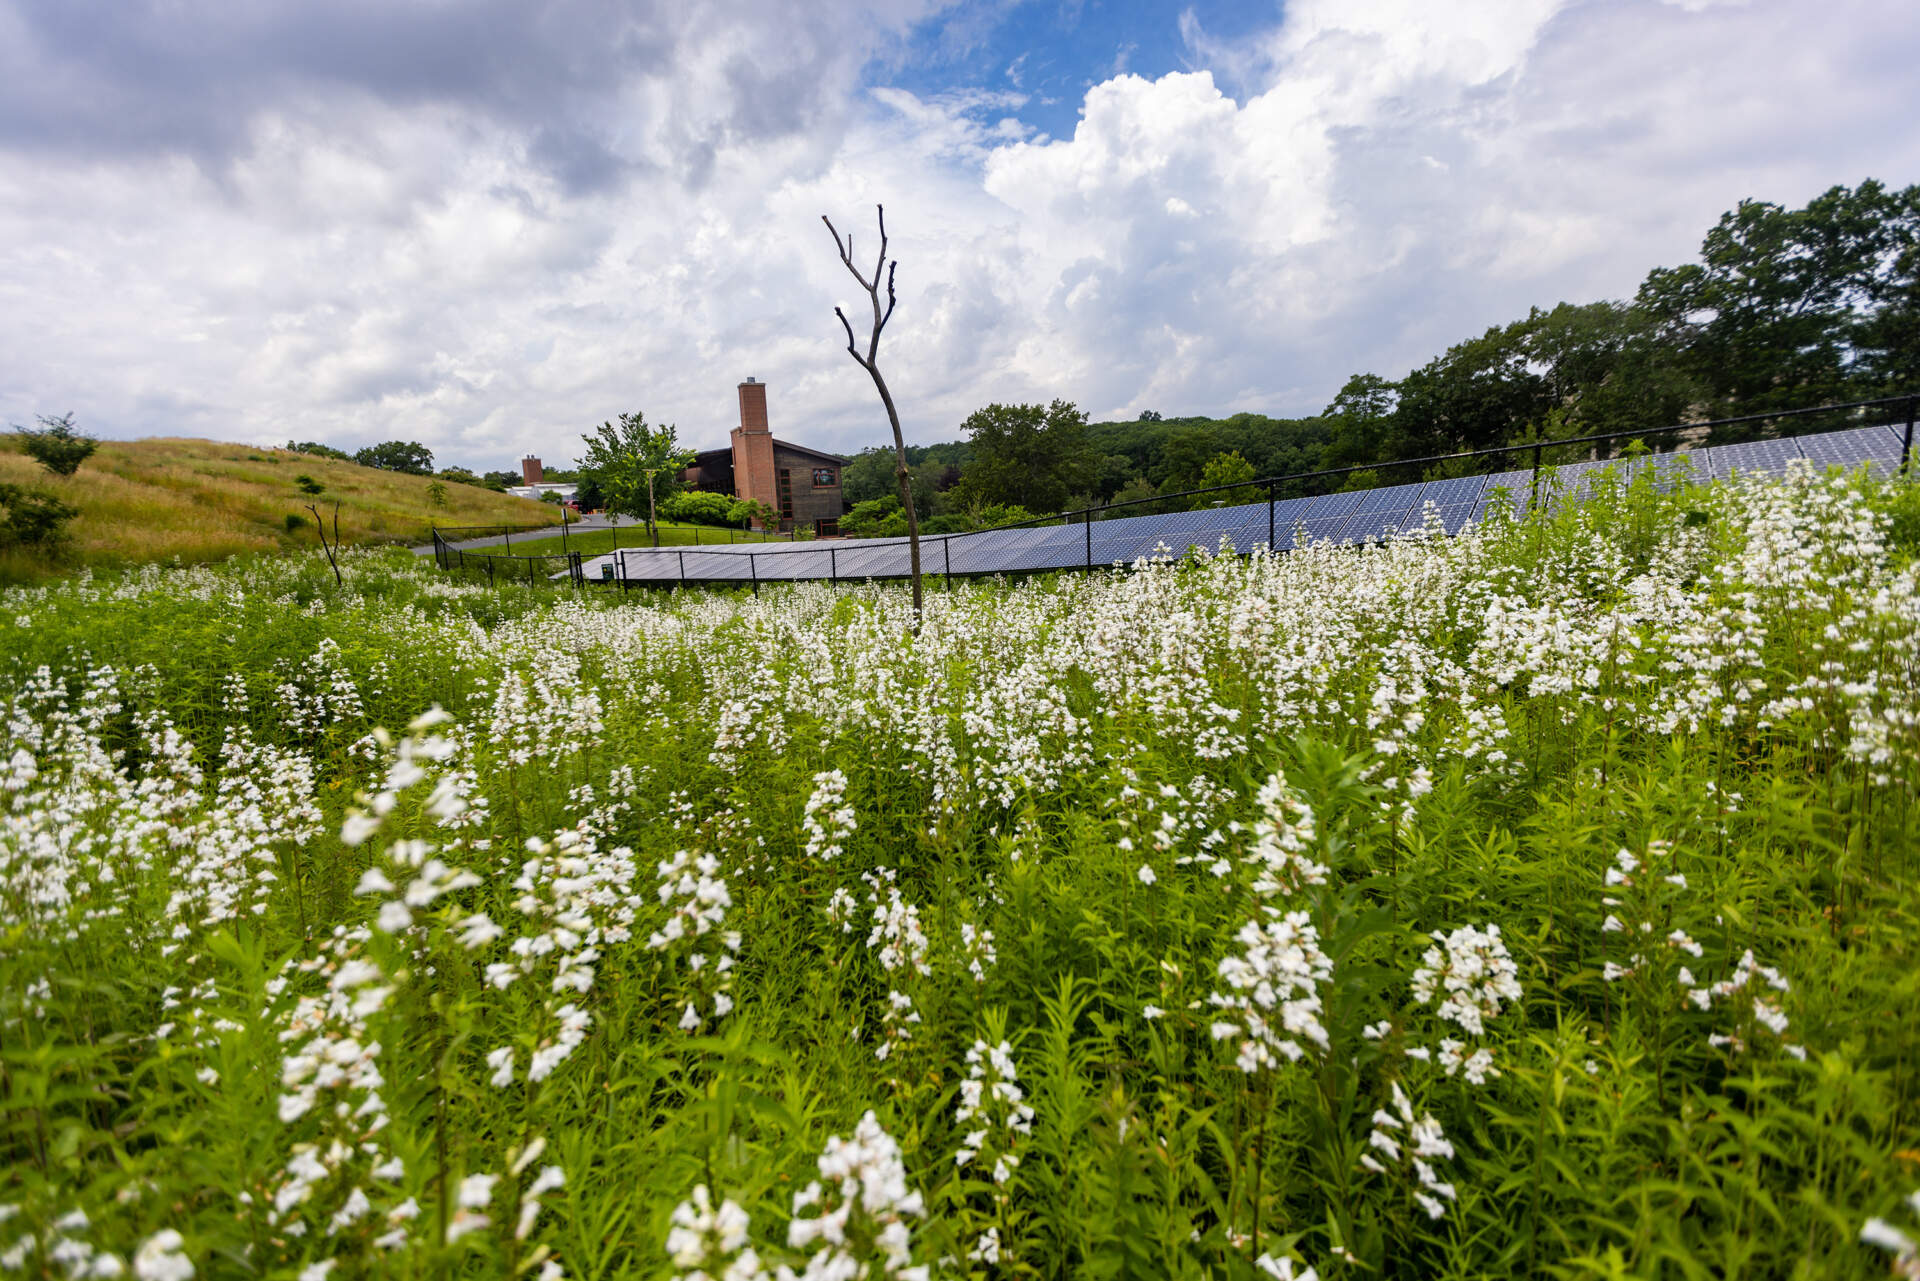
485	227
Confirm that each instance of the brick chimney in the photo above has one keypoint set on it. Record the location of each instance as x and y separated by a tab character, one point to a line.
530	472
753	472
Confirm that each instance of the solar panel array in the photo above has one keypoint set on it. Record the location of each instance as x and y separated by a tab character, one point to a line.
1359	517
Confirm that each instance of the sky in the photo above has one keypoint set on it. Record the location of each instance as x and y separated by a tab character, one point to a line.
488	225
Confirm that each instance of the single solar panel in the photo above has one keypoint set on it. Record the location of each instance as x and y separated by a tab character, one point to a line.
1446	493
1851	448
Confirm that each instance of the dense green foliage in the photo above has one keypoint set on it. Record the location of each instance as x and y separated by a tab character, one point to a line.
408	456
31	517
318	450
1535	903
1031	456
700	508
55	445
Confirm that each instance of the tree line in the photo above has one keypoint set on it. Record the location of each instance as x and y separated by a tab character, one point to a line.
1784	308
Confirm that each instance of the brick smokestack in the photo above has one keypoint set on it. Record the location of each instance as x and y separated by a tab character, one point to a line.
753	406
530	472
753	469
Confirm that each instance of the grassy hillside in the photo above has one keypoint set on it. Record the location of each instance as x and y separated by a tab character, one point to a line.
204	500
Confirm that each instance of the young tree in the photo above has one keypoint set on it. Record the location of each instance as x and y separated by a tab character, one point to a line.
628	459
1226	469
56	446
902	474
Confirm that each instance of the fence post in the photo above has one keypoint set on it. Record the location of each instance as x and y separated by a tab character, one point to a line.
490	581
531	566
509	534
683	571
833	564
620	560
1086	518
946	560
563	527
753	568
1533	500
1273	491
1906	445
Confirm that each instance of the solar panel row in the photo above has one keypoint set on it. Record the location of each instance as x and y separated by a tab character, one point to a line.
1361	516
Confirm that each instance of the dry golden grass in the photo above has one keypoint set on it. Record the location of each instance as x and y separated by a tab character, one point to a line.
203	500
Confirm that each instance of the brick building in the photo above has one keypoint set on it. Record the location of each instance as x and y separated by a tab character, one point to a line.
800	483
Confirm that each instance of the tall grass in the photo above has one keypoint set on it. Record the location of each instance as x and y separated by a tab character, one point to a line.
1534	903
197	501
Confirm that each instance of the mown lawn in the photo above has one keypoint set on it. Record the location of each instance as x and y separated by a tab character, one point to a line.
598	542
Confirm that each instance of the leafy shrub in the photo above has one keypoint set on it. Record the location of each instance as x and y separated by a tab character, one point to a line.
994	515
308	485
318	450
295	522
875	518
56	445
32	518
699	507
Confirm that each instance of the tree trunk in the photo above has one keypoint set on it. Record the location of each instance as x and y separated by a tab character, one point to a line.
905	476
653	522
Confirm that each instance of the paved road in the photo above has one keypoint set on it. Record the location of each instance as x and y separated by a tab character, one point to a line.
474	544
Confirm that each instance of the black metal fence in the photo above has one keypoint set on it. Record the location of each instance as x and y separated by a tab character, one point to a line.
497	569
833	563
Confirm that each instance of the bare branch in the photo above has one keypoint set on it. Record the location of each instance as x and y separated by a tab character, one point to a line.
851	351
891	267
846	252
881	261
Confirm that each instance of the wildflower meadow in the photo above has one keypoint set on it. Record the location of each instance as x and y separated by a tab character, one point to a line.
1542	901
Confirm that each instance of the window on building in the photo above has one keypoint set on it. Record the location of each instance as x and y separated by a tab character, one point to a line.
825	477
786	494
826	528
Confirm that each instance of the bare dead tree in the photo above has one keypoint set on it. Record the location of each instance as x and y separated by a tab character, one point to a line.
330	548
869	362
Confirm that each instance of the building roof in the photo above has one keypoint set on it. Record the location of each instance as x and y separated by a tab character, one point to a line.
809	449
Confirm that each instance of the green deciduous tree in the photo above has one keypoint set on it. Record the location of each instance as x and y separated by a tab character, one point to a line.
1227	469
397	455
55	445
1030	456
1791	306
633	462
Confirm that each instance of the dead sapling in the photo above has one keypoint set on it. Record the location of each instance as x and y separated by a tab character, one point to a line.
870	363
333	547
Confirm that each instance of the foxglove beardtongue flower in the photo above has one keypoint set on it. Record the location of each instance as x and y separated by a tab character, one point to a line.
1283	840
863	1205
159	1258
1884	1235
710	1243
993	1108
697	899
828	820
1475	975
1414	1142
976	949
1273	991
